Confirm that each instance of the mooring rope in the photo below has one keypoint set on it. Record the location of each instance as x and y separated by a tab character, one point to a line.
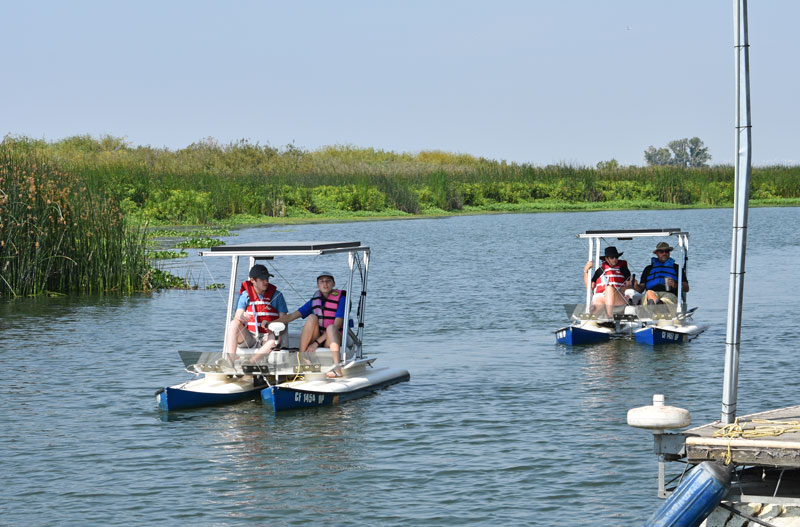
769	428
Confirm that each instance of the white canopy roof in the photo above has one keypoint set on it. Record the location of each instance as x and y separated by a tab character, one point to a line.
627	234
268	249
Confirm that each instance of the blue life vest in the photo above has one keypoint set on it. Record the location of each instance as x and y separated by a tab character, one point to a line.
659	272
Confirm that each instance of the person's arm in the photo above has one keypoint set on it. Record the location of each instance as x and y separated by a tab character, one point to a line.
639	287
626	274
241	314
586	269
288	317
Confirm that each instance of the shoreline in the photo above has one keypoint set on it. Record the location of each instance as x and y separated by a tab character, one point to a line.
245	221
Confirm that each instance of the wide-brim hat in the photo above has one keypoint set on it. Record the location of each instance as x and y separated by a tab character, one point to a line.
325	273
260	271
611	252
663	246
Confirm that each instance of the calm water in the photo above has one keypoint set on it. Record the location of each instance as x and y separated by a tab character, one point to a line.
499	424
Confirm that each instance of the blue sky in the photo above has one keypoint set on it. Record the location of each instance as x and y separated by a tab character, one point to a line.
526	81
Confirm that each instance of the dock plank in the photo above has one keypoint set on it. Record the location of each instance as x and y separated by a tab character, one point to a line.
781	450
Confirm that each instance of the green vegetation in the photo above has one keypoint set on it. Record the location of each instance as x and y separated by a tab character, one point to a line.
160	279
209	183
62	232
166	255
74	213
183	233
199	242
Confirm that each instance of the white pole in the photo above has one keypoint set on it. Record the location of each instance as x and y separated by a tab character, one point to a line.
345	327
589	282
741	196
678	293
363	300
231	293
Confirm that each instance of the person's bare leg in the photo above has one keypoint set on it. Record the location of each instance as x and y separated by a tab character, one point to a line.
597	304
269	345
235	337
651	295
613	297
334	341
310	332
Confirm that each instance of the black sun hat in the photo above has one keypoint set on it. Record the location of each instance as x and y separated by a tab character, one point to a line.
260	271
611	252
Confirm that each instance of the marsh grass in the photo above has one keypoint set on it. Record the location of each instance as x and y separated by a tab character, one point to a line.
210	183
59	231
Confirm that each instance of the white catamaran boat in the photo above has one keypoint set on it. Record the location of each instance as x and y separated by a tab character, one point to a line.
648	324
286	378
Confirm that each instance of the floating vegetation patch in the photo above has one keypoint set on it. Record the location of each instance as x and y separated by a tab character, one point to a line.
166	255
160	279
215	286
178	233
199	242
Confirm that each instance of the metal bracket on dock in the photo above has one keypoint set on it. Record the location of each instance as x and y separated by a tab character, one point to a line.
668	447
672	446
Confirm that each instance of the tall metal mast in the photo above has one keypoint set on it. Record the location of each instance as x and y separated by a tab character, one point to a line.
740	205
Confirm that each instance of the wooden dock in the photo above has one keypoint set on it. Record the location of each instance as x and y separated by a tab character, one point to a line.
767	439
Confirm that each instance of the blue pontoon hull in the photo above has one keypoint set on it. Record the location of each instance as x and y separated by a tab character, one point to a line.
171	398
654	336
575	336
286	397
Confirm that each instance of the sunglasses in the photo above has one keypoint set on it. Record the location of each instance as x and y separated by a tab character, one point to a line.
661	251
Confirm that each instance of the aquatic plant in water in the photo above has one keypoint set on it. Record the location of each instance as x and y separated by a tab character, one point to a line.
199	242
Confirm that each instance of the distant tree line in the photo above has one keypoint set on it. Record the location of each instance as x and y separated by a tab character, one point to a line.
687	153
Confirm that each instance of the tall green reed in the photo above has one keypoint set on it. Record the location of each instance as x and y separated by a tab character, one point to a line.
60	232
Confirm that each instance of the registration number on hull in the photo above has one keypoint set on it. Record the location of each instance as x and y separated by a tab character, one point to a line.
308	398
669	336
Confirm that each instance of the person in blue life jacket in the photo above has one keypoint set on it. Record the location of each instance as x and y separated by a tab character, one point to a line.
660	278
259	304
324	320
608	282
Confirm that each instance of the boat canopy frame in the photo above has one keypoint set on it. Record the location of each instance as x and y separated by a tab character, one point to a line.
594	237
357	258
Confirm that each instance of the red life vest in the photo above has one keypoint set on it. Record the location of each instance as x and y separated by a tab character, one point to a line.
325	308
260	309
611	276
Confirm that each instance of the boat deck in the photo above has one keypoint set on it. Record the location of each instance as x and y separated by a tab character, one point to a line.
769	439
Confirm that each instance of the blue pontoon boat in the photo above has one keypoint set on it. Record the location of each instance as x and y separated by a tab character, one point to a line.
647	324
286	378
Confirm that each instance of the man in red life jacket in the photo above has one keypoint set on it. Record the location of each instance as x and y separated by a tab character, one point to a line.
609	281
259	304
324	316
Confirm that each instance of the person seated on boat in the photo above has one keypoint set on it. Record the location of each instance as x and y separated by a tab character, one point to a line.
660	278
609	281
324	320
259	303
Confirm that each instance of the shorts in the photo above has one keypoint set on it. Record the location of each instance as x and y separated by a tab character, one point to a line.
665	297
252	341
